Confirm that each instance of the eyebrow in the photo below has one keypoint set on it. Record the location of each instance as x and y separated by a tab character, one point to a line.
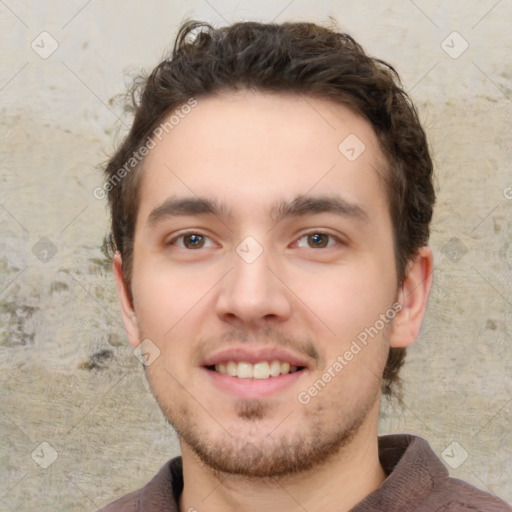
299	206
182	206
308	205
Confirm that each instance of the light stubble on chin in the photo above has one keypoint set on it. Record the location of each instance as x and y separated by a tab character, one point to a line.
275	457
302	438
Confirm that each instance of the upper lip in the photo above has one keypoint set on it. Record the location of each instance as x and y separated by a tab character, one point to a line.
255	355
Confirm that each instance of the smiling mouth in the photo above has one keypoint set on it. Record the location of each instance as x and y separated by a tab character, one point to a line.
261	370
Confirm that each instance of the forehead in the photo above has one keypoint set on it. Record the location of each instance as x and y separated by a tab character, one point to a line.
252	149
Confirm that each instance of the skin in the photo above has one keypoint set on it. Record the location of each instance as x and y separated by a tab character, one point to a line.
312	295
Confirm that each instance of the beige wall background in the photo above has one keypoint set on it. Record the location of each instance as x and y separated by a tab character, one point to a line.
78	430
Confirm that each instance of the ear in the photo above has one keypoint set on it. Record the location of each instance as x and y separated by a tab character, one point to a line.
129	319
413	297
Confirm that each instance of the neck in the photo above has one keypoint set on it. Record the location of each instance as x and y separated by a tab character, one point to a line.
338	484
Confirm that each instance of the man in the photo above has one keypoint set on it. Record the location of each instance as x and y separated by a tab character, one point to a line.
270	216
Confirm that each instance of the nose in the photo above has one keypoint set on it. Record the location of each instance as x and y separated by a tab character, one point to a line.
253	294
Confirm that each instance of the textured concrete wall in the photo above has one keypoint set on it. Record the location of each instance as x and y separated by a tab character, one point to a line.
78	431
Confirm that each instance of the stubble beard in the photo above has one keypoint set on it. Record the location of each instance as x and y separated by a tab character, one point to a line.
301	438
318	437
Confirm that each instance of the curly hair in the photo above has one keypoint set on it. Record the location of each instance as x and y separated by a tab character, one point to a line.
293	58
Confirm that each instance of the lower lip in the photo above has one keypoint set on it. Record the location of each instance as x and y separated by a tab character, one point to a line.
254	388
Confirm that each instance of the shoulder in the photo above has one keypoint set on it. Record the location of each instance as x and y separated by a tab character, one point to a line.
418	480
127	503
458	496
159	494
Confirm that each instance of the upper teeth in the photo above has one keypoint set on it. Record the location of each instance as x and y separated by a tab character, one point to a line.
262	370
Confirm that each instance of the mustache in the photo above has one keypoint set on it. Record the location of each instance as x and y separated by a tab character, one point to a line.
268	336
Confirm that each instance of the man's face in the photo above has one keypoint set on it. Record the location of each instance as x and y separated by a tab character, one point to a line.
258	240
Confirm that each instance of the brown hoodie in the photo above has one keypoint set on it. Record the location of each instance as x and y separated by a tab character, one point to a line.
417	482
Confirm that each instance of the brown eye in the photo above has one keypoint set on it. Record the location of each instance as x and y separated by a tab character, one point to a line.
318	240
193	241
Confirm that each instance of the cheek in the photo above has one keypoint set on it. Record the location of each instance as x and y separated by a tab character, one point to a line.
348	298
164	295
172	305
349	303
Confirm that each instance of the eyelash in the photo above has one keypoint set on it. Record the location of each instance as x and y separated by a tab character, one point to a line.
305	235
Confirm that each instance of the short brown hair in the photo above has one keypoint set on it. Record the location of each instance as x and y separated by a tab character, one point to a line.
295	58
